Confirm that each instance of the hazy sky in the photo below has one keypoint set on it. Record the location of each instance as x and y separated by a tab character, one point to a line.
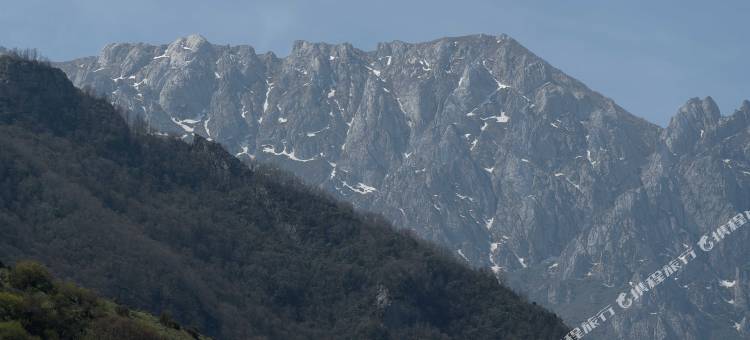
649	56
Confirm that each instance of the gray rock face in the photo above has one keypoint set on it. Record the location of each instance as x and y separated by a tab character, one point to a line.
478	144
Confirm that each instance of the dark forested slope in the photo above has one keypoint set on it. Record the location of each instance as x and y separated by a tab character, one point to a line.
242	254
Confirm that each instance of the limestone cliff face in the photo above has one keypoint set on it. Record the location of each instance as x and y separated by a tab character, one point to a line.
478	144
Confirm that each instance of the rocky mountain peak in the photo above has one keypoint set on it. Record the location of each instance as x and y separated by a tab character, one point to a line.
745	106
743	113
691	123
187	45
194	40
736	122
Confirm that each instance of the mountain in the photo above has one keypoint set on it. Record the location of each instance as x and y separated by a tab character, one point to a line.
480	145
33	305
241	253
455	131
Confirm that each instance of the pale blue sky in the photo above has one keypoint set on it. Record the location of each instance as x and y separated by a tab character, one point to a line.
649	56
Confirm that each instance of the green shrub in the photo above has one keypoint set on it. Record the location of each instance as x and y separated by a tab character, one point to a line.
10	305
123	311
117	328
31	275
14	331
167	321
76	300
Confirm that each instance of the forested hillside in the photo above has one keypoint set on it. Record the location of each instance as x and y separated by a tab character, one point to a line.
33	305
240	253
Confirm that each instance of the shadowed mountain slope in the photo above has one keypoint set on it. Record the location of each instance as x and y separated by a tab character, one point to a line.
241	253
